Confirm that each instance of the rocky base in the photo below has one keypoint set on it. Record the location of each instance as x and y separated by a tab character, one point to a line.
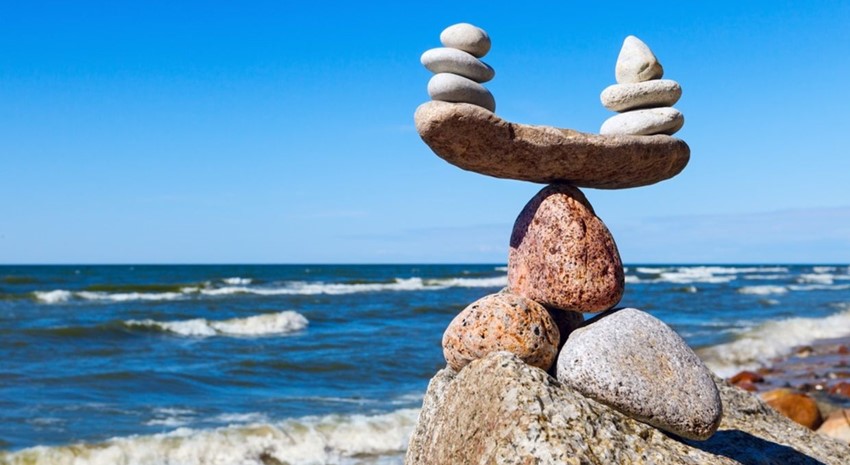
498	410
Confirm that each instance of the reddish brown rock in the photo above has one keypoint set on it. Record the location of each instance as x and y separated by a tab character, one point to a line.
841	389
795	405
843	350
475	139
746	376
837	426
562	255
502	322
747	386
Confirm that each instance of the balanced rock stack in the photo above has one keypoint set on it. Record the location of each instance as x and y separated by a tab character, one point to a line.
563	261
457	69
644	100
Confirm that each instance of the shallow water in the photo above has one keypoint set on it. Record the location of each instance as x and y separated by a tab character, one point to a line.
310	364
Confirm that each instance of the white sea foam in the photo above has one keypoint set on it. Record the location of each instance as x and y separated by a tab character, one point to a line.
763	290
632	279
765	277
237	281
129	296
258	325
819	278
824	269
231	418
327	440
501	268
755	347
53	297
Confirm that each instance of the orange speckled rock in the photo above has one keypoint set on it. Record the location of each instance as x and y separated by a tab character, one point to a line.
502	321
794	405
562	255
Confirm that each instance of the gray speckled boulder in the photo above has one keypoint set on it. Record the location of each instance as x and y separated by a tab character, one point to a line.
636	62
664	120
500	411
502	321
657	93
449	87
449	60
638	365
466	37
562	255
475	139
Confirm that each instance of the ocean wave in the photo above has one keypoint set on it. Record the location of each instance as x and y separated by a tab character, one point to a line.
258	325
763	290
286	288
326	440
755	347
816	278
237	281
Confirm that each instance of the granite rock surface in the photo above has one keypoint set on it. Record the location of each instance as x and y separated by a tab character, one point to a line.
466	37
449	60
448	87
477	140
646	122
499	410
657	93
636	62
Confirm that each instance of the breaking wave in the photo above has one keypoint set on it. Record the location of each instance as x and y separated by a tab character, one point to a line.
326	440
755	347
258	325
242	286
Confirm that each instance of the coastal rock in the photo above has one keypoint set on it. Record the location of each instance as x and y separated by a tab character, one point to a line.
650	121
450	60
567	322
562	255
477	140
449	87
499	410
636	364
637	63
795	405
837	426
746	377
841	389
466	37
657	93
502	322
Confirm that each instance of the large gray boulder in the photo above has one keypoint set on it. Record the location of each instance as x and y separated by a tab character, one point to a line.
498	410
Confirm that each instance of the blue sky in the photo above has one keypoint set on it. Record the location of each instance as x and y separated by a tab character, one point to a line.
275	132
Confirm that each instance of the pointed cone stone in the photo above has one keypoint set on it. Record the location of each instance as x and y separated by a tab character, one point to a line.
637	63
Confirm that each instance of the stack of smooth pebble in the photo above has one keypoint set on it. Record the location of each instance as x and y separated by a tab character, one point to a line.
457	69
563	262
644	100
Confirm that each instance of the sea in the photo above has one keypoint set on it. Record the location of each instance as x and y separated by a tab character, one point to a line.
311	364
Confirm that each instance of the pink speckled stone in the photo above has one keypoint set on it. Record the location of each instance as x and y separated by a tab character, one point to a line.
562	255
502	321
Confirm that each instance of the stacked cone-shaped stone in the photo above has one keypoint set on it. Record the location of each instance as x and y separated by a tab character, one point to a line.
458	72
644	100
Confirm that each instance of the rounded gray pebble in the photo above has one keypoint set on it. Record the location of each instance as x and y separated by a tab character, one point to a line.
638	365
466	37
665	120
449	87
649	94
450	60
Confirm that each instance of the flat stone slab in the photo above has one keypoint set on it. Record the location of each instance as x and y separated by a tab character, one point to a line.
474	139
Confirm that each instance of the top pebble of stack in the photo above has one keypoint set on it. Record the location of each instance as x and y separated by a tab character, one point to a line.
466	37
637	63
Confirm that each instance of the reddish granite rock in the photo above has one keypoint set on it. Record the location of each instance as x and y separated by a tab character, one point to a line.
841	389
562	255
837	426
747	386
746	377
502	322
795	405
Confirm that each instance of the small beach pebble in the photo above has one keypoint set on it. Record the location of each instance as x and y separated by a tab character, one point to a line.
638	365
837	426
664	120
449	87
562	255
636	62
502	321
466	37
450	60
657	93
797	406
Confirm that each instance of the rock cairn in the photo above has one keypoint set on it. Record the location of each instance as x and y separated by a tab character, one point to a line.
562	260
644	100
458	72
